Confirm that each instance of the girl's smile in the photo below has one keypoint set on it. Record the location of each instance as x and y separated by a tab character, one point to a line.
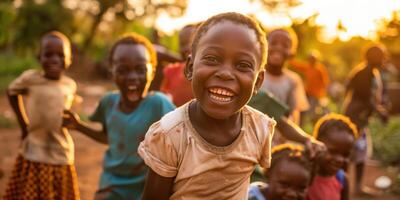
133	73
225	69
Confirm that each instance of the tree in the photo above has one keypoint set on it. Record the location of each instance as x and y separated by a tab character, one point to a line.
7	16
132	10
280	6
34	19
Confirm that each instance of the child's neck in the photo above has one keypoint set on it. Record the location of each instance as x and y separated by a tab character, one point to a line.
52	78
126	106
218	132
276	71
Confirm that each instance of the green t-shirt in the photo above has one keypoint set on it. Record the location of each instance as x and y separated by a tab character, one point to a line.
266	103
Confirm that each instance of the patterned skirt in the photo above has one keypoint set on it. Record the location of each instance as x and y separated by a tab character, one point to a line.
34	181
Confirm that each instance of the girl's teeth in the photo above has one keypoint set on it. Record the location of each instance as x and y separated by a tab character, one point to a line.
222	99
132	87
221	92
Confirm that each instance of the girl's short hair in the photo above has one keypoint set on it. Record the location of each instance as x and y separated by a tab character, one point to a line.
66	43
290	152
135	39
236	18
292	35
365	50
334	121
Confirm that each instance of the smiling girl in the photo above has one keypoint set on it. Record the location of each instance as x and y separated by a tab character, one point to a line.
208	148
125	115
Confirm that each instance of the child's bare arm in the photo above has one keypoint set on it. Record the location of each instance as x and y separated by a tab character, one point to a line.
17	104
293	132
344	195
72	121
157	187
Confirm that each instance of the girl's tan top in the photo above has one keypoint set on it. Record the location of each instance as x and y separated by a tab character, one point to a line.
173	148
47	141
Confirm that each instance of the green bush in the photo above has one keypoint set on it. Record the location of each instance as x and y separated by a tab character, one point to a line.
12	66
386	140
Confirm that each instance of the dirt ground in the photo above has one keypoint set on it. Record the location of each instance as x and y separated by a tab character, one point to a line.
88	153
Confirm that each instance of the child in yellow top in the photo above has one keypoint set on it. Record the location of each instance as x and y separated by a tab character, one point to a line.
44	167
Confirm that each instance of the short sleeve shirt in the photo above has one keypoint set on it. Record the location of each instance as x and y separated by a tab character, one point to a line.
173	148
288	88
122	165
47	141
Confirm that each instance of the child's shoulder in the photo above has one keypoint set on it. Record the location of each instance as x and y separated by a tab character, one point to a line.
110	96
260	123
31	74
254	113
291	75
173	119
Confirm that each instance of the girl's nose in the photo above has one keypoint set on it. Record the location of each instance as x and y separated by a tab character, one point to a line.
225	72
132	76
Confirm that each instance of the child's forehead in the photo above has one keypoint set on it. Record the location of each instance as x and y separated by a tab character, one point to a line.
224	30
287	163
279	34
52	40
132	49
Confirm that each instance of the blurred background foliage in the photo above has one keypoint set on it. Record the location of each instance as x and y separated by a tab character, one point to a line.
93	25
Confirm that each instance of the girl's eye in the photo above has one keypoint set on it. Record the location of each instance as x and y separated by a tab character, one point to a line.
211	59
121	71
142	69
244	66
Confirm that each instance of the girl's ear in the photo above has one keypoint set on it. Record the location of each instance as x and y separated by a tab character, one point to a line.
259	81
189	68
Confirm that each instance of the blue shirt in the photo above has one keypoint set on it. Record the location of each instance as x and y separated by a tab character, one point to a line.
122	165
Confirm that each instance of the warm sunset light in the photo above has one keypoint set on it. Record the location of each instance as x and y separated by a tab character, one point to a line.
358	17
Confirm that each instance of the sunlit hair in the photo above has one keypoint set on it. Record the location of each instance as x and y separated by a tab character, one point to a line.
290	152
334	121
236	18
292	36
66	45
192	25
135	39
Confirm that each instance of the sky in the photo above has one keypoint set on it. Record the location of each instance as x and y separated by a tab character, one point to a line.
359	17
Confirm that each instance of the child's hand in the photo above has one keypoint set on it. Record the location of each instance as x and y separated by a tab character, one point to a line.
314	148
71	120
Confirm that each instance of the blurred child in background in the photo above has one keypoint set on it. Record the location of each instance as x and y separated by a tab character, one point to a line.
175	83
316	81
338	134
45	165
364	95
287	178
125	116
284	84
